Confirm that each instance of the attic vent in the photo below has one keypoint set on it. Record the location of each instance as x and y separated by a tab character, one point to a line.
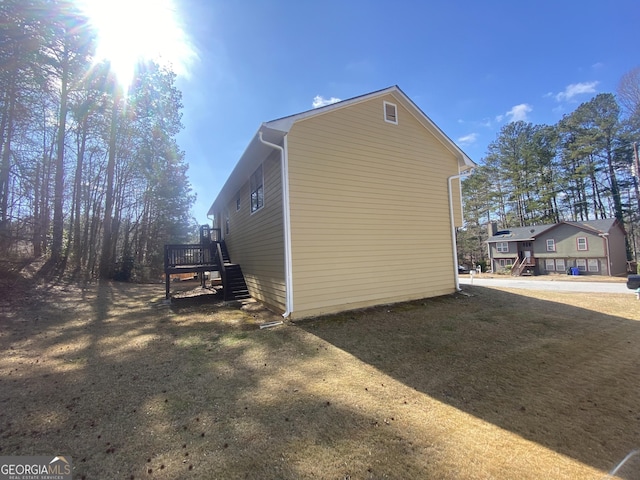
390	113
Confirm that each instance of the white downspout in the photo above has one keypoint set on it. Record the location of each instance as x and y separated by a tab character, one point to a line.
453	225
286	214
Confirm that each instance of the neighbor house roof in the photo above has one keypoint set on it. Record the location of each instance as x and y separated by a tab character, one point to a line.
519	234
275	130
523	234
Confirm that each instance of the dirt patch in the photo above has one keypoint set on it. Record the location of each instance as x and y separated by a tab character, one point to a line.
502	384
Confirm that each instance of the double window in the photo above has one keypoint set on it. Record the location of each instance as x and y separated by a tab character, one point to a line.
502	247
257	190
558	265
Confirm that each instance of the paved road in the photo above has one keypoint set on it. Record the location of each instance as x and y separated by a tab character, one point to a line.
559	285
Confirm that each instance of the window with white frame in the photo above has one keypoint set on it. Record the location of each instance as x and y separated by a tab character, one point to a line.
581	263
257	190
582	243
502	247
594	266
549	265
560	265
390	113
551	245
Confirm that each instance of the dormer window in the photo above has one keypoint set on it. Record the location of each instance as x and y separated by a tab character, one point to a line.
390	113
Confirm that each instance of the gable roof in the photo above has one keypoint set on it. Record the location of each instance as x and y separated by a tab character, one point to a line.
274	131
284	124
523	234
602	225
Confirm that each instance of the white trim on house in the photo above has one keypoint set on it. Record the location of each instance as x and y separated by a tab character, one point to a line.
286	213
284	124
274	132
288	274
390	112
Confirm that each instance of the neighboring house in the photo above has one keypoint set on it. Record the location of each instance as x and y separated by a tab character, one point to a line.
595	247
346	206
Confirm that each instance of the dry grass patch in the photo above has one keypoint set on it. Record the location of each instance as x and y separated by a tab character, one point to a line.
498	385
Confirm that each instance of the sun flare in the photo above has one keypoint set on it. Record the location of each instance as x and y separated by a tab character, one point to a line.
133	31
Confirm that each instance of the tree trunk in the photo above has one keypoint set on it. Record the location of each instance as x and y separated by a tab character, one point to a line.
77	196
58	192
106	260
5	168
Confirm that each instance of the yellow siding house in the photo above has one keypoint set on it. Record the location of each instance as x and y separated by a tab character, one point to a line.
346	206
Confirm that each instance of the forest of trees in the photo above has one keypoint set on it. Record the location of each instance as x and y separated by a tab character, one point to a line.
582	168
91	176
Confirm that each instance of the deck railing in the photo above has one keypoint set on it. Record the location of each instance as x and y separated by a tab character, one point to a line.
223	271
186	255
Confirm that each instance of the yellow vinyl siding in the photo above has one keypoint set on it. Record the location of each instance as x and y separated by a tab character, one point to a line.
370	219
256	240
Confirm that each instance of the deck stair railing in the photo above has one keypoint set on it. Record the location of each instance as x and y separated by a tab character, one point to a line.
520	265
223	270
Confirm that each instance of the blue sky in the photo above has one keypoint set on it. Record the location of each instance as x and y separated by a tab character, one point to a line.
470	66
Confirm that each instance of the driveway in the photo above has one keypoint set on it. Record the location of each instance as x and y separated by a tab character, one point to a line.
559	285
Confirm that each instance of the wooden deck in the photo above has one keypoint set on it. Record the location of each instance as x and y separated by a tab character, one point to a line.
189	258
210	255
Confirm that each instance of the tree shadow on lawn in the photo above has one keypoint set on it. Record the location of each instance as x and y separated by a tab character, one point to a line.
565	377
131	388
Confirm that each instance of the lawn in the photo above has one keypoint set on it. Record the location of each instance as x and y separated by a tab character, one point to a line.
497	384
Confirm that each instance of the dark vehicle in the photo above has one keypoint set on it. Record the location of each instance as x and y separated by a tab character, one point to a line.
633	282
462	269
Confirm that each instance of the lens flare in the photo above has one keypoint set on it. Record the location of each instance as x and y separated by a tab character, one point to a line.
132	31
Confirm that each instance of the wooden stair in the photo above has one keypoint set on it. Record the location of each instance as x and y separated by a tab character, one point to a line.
523	268
233	283
236	287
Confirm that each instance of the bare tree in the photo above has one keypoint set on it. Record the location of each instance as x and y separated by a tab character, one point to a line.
629	92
